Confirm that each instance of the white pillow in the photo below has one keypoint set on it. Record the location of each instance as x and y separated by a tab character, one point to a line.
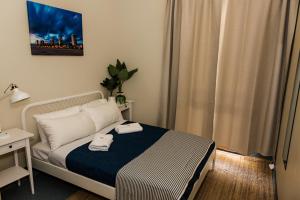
52	115
117	109
104	114
94	103
61	131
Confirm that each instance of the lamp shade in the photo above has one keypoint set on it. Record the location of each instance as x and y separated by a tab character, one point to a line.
18	95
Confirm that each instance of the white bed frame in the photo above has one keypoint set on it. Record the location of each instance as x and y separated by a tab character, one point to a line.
96	187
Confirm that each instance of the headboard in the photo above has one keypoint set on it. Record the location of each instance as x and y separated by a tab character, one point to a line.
29	123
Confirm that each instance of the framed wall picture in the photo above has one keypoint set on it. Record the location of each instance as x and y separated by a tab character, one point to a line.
54	31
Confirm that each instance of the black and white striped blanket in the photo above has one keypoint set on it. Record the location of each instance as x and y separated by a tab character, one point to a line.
164	170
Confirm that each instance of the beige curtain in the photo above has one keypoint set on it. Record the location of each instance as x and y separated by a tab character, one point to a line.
248	72
199	41
170	71
227	71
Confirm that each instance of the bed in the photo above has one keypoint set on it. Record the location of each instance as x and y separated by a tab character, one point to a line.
106	173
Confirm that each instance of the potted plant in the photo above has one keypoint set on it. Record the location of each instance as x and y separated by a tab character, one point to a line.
119	74
110	84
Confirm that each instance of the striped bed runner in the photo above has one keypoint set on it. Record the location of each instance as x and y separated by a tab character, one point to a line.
164	170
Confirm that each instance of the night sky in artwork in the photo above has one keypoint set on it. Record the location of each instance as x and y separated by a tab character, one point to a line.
46	22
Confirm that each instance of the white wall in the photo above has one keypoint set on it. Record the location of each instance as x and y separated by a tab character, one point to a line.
131	30
140	42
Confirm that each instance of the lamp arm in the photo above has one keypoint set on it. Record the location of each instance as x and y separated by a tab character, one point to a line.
11	87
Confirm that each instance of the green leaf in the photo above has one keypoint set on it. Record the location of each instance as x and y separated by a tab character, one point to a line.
130	73
123	75
110	84
119	65
112	70
124	65
119	74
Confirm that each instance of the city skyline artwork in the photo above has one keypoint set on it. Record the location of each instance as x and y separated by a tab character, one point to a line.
54	31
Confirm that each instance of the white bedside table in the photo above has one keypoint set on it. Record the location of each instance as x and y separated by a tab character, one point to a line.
126	109
17	139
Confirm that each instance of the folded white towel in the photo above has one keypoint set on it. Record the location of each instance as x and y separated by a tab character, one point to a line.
128	128
101	142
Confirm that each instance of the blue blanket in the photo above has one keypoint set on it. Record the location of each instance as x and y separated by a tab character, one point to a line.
103	166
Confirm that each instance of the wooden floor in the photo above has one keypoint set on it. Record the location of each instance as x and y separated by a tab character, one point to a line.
235	178
238	177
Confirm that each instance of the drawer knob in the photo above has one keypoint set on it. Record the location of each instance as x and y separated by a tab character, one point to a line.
10	146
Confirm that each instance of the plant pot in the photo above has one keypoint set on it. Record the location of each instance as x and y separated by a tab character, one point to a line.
120	98
111	98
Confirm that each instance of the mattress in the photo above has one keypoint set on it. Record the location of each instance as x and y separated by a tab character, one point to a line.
41	151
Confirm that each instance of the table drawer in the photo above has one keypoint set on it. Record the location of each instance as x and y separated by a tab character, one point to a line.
11	147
